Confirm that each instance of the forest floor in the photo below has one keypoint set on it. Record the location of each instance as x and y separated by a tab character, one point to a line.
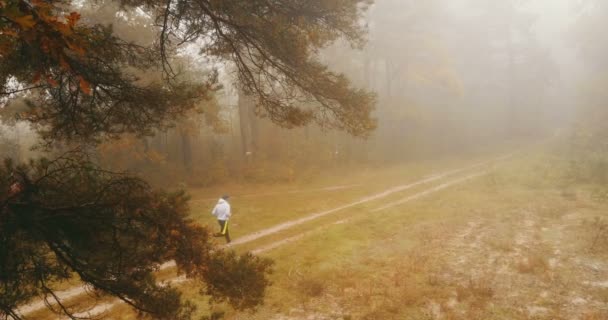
485	242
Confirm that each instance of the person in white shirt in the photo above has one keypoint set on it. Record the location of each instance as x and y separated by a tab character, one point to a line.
222	212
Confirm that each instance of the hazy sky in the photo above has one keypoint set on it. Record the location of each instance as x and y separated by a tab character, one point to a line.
555	30
555	18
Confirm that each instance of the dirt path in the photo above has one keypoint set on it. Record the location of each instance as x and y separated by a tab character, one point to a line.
296	191
390	205
383	194
63	295
102	308
74	292
431	190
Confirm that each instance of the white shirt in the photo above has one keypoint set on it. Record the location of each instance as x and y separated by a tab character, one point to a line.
222	210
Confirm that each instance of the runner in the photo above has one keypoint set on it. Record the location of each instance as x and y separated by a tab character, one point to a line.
222	212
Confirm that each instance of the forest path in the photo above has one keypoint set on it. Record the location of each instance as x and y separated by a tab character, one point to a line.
82	290
332	188
292	223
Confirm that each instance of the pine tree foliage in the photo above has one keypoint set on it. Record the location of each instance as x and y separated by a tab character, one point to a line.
67	216
78	82
83	83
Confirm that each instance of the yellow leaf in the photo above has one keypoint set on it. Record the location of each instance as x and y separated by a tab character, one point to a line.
26	22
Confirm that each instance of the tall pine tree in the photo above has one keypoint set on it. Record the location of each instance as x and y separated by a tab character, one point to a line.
82	84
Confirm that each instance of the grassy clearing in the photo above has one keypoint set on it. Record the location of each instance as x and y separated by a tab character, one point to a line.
252	213
518	243
265	208
326	248
362	259
404	263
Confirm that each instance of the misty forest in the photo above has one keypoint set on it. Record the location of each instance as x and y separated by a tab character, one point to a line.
311	159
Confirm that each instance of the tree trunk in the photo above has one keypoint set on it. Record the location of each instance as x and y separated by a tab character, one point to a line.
389	81
247	126
186	150
367	70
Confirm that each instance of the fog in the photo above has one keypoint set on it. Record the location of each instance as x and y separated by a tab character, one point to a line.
314	159
449	77
472	72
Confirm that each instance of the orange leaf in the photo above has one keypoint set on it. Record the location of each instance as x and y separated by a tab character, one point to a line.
26	22
64	65
76	48
63	28
52	81
5	48
36	78
41	4
73	18
8	32
47	16
85	86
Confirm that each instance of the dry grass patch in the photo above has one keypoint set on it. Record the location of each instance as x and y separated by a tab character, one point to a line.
503	245
533	263
479	289
601	315
310	287
598	235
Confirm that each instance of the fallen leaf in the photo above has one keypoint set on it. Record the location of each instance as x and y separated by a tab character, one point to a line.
85	86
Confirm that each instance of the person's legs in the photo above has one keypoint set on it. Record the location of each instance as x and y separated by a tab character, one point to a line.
221	223
220	234
226	231
223	230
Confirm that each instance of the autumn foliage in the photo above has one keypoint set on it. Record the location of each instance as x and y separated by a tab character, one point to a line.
82	85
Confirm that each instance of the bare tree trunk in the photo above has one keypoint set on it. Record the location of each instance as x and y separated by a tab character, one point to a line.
367	70
18	153
512	126
389	80
247	126
146	144
511	93
186	150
